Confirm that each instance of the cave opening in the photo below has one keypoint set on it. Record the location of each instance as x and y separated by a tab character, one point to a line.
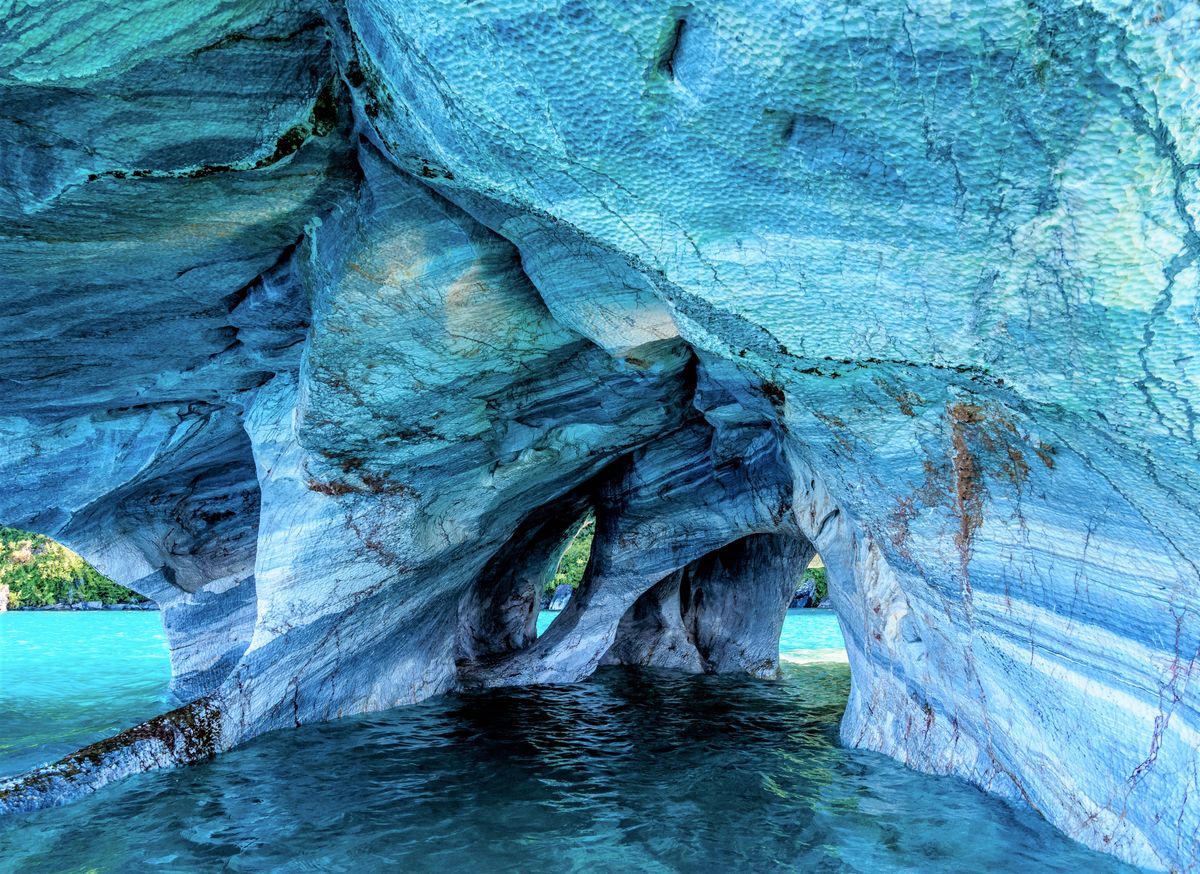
724	612
812	588
503	610
812	632
39	573
567	574
80	654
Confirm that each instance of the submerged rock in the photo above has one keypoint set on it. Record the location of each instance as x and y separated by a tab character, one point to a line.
326	322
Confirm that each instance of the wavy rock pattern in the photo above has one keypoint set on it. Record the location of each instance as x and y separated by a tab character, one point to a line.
327	321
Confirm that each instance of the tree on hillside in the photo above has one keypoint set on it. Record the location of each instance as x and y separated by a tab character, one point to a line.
40	573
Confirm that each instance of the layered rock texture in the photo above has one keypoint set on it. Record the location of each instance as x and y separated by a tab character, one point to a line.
327	322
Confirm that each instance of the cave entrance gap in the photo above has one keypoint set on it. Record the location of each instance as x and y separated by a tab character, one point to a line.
568	573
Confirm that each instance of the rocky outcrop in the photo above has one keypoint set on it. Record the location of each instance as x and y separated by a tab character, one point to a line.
805	595
562	595
186	735
327	322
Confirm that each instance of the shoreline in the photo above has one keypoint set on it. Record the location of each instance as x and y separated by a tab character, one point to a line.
814	656
84	607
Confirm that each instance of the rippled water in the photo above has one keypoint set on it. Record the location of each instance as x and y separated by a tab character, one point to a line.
68	679
630	771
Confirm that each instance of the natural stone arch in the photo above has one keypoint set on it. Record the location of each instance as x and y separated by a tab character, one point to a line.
167	505
969	331
722	612
691	492
498	615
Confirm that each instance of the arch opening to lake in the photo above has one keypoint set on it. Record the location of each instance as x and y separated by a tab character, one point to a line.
568	573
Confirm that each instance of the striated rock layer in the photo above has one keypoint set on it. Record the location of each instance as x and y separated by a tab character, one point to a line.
327	322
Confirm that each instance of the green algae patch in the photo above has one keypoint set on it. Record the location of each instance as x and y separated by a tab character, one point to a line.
191	733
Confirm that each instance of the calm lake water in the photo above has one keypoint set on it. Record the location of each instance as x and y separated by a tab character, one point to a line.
630	771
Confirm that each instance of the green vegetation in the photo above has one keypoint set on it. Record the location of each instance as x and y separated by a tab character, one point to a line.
41	573
574	558
820	581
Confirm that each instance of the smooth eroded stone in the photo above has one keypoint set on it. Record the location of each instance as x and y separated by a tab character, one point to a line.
325	323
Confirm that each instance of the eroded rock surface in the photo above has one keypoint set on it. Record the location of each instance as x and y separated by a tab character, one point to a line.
723	612
326	322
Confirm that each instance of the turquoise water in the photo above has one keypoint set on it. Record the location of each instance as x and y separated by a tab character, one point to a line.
805	633
805	630
630	771
68	679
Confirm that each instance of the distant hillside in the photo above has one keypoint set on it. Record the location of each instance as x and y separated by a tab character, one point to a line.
40	573
574	558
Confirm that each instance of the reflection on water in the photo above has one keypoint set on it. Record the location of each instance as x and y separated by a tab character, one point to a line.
630	771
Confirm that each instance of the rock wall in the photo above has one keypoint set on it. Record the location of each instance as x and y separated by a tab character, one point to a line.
326	321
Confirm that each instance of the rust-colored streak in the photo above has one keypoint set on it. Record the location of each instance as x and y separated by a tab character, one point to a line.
905	399
969	488
1017	470
1046	453
383	485
330	488
904	513
351	463
370	485
839	429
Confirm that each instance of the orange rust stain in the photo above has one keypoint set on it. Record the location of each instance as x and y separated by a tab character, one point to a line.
1018	471
383	485
966	414
1046	453
377	278
371	484
839	429
984	444
904	513
904	398
969	487
832	421
330	488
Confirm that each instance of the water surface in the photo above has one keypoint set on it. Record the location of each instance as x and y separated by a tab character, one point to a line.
68	679
633	770
808	635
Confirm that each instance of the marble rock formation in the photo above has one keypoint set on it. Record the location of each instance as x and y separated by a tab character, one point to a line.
328	321
559	599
